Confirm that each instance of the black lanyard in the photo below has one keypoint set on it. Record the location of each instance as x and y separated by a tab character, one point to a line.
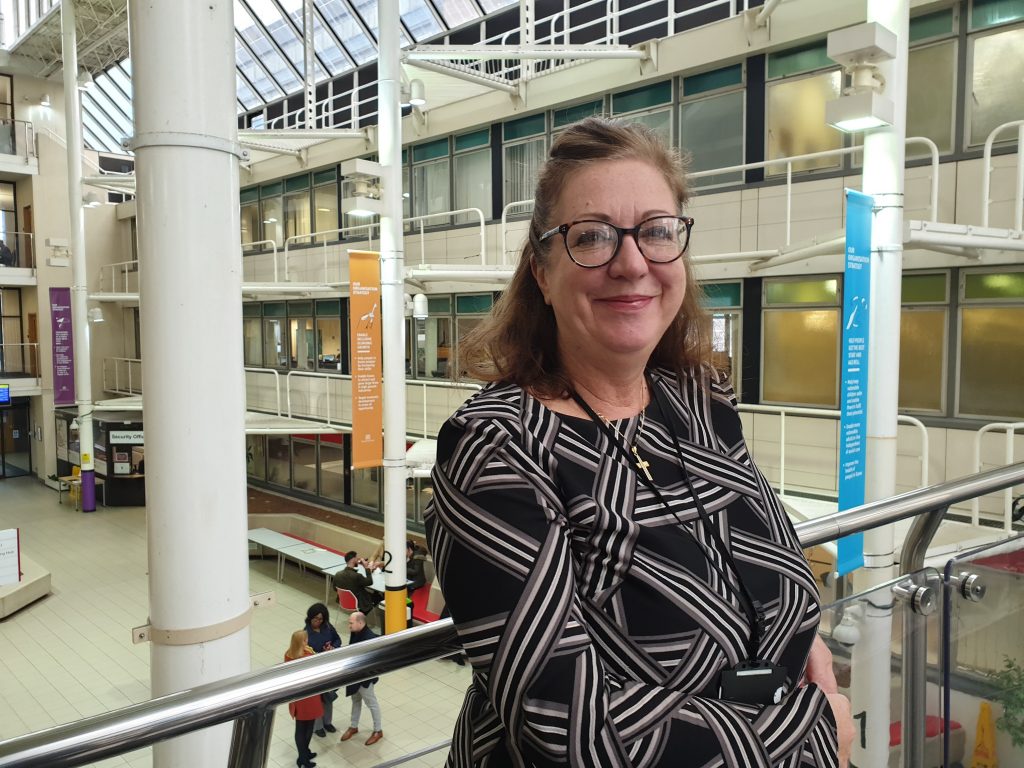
751	607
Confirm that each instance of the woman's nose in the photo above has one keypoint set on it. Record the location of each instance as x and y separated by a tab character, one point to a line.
629	261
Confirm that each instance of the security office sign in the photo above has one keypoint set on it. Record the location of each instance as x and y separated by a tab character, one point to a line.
10	557
856	334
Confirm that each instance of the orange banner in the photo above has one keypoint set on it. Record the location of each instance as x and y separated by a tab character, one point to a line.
365	343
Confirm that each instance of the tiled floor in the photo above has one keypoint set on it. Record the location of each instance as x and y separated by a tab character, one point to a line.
70	655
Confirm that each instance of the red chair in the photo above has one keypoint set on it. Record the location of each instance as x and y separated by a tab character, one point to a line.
346	601
420	597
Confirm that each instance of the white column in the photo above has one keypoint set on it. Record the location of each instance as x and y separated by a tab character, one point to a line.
884	151
79	273
191	315
392	295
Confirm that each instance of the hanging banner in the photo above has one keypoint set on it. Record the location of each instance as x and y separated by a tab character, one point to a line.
63	347
853	425
366	365
10	557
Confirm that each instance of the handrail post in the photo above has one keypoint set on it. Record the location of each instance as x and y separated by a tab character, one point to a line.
250	739
782	453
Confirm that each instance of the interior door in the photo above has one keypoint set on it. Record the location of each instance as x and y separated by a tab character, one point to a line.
32	337
15	445
26	245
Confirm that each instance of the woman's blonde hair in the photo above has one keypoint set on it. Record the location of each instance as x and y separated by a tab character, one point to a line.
300	640
516	342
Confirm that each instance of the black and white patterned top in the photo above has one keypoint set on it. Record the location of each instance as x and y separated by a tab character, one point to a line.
595	626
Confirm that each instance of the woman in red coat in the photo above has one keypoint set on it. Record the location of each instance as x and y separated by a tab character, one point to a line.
307	710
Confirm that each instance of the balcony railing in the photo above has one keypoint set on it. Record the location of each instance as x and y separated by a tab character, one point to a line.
22	250
249	700
17	137
122	375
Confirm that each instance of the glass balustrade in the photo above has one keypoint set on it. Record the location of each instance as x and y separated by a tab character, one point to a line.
982	656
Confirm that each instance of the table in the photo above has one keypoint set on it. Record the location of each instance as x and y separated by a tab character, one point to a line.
323	560
67	482
269	539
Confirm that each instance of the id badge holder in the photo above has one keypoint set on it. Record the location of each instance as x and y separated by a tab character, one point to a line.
754	682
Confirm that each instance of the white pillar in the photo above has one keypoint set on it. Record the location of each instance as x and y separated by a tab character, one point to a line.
79	272
183	75
884	151
392	296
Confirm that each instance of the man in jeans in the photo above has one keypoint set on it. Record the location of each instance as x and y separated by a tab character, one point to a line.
362	692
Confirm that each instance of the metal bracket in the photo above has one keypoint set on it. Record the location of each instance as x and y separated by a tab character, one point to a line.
144	633
518	96
179	139
970	586
649	63
920	599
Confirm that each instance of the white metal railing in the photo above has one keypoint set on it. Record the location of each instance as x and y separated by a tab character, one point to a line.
277	382
313	375
19	359
425	384
1018	199
450	214
17	137
22	246
273	248
1010	429
339	231
829	413
127	371
121	276
526	204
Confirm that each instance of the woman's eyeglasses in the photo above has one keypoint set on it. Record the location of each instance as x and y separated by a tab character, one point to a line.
590	244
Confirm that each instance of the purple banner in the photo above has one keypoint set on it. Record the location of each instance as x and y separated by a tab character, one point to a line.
63	347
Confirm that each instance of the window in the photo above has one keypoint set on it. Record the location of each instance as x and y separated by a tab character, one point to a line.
931	95
304	465
472	175
431	181
523	147
301	336
272	212
470	310
562	118
256	456
923	336
297	219
279	470
330	333
250	219
724	302
711	123
433	342
996	87
789	93
275	340
650	105
332	467
15	358
366	488
991	354
800	344
252	334
325	203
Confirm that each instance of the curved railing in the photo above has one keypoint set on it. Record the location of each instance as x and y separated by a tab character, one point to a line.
249	700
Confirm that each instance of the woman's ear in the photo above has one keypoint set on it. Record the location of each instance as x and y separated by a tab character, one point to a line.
540	275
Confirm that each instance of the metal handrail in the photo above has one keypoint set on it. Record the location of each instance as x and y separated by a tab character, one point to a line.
129	362
130	267
1018	198
31	347
248	698
1010	428
783	411
23	142
339	231
273	248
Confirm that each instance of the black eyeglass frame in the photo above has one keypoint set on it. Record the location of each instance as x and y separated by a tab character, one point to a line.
621	232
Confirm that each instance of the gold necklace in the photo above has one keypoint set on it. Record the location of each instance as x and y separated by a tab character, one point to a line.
641	464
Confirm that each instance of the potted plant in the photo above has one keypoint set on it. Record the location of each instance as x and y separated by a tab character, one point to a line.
1010	682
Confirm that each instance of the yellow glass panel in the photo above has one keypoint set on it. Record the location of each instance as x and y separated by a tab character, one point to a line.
817	291
992	362
801	353
796	120
922	342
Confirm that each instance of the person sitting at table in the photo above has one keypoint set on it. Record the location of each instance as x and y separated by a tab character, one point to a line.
357	583
322	636
415	565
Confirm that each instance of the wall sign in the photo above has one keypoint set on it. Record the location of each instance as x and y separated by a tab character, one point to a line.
854	420
10	557
127	437
63	347
365	343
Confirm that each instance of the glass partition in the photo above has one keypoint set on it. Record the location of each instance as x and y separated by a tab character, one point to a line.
983	654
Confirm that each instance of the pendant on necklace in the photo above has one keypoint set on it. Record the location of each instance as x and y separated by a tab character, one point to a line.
641	464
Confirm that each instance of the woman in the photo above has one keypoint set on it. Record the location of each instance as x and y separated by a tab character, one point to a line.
322	636
624	580
304	711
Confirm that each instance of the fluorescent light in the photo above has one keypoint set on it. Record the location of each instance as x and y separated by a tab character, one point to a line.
44	100
362	206
859	112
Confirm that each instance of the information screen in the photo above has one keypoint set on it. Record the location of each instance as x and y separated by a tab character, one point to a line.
5	394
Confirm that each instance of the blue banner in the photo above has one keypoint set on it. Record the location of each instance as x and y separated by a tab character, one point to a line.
856	333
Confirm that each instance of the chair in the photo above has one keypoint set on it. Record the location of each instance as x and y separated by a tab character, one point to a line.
346	601
75	486
420	597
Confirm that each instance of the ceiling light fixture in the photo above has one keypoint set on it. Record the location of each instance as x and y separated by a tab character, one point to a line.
85	81
859	49
44	100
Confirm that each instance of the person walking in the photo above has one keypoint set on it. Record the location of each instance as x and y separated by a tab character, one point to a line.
322	636
362	692
304	711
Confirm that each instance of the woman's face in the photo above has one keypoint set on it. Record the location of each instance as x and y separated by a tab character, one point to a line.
618	311
316	620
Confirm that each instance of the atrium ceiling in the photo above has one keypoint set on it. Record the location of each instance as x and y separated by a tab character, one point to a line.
268	48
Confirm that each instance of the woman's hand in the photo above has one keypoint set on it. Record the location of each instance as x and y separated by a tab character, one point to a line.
819	667
845	730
